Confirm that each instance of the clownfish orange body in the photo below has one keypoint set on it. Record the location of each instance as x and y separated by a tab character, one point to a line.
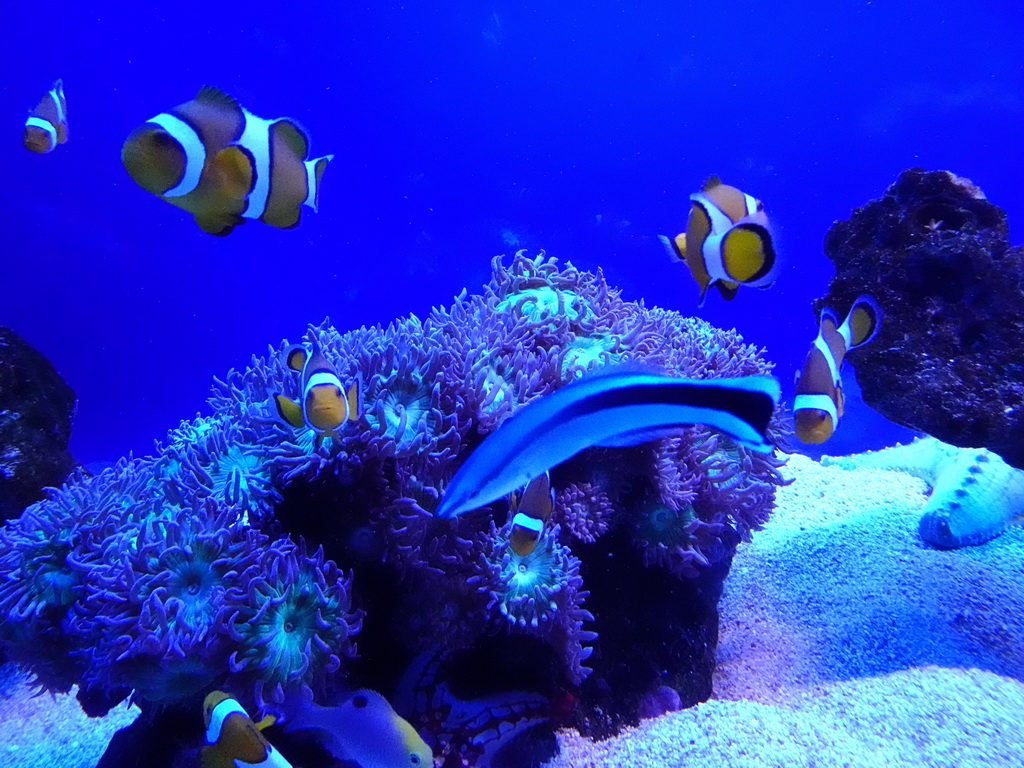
530	509
233	739
215	159
818	403
324	406
727	242
47	124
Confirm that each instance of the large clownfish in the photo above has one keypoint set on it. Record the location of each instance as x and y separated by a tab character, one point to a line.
818	403
324	405
47	124
223	164
727	242
530	509
234	739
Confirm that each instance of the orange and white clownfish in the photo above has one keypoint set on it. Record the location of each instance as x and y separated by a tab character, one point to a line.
818	403
727	241
324	405
233	739
47	124
530	509
215	159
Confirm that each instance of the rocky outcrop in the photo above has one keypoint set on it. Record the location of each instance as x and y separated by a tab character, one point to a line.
36	409
936	256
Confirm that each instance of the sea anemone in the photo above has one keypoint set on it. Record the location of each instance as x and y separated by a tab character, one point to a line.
295	625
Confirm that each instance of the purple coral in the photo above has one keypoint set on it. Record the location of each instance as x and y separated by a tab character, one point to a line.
214	561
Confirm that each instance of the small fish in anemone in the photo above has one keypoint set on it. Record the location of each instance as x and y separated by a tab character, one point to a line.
295	625
233	739
541	593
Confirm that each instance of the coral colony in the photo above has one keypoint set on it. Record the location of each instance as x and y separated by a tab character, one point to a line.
244	556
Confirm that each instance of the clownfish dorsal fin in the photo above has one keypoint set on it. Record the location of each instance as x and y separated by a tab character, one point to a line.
213	95
293	136
295	357
236	176
711	182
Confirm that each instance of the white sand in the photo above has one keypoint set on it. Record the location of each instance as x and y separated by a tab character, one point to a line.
845	642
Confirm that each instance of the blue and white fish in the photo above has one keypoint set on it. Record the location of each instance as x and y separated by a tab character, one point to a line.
324	405
233	739
47	124
619	406
365	730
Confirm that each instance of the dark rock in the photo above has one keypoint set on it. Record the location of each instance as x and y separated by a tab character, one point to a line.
935	254
36	409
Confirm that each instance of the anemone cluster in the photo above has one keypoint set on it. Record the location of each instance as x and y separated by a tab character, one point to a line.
245	554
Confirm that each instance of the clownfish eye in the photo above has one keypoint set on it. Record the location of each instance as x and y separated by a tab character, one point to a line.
359	702
414	758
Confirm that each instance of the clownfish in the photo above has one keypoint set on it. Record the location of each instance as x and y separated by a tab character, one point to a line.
727	242
617	406
530	509
234	739
47	124
223	164
363	730
324	406
818	403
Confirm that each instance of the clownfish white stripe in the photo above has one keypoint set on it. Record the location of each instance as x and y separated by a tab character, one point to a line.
751	202
720	222
255	140
323	377
221	713
46	125
819	402
195	152
311	183
822	346
57	96
523	520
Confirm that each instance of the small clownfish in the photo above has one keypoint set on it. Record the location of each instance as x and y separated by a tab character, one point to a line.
530	509
364	729
727	242
818	403
47	124
324	406
223	164
234	739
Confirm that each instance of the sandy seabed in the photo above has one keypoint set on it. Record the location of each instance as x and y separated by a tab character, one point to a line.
844	642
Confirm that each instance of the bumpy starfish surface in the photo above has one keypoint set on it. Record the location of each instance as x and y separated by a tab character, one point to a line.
975	494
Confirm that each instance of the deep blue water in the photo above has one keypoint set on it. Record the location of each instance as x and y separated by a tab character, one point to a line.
463	130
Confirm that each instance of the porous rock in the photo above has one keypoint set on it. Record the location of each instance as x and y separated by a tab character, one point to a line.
935	254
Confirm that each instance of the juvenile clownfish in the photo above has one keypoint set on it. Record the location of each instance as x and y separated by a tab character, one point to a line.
618	406
234	739
324	406
530	509
223	164
818	403
727	242
364	729
47	124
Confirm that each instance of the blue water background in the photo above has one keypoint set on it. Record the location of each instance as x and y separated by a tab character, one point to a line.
460	131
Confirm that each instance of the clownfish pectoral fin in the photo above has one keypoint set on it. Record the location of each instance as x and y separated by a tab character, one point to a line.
234	172
747	254
314	173
840	402
289	411
295	357
266	722
675	248
355	399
